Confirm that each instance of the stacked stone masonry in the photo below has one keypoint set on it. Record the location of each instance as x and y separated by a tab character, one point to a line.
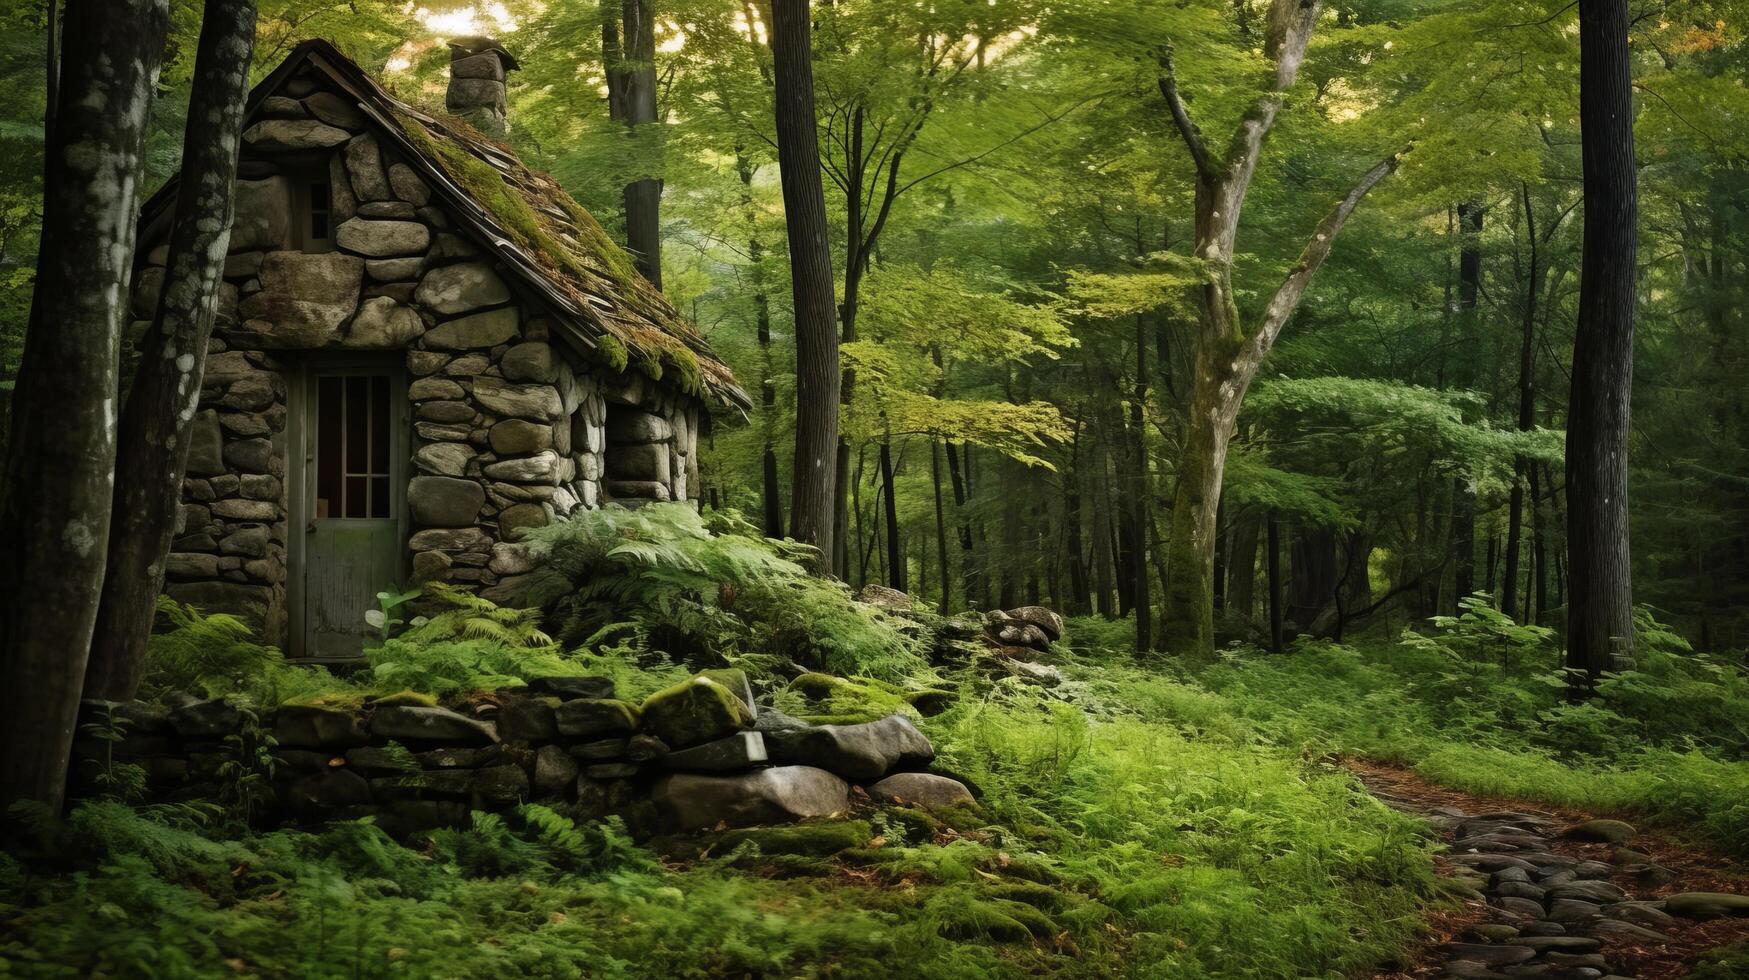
509	428
695	756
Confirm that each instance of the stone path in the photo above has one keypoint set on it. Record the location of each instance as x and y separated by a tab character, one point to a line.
1555	897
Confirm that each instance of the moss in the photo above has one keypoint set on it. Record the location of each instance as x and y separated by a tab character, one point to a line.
1030	893
613	352
695	710
821	839
408	698
828	700
996	919
918	824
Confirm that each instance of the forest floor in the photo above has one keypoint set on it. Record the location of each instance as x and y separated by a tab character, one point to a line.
1636	939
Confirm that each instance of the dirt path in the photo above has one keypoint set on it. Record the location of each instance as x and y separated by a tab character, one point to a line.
1549	897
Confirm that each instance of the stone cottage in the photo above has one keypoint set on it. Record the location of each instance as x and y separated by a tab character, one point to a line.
422	347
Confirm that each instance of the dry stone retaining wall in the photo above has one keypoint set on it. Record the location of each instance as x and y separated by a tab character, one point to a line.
510	429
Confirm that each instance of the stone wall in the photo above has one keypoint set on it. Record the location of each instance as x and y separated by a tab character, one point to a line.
510	428
694	756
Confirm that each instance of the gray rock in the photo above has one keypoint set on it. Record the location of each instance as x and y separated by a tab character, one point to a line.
542	467
634	426
384	323
555	772
364	164
206	445
425	724
330	788
408	186
335	111
1573	911
518	437
426	389
1520	906
1648	914
461	288
518	516
453	540
280	135
479	330
692	801
396	210
394	270
738	751
531	361
1606	831
342	203
527	720
866	751
1520	889
1490	954
572	686
207	719
1707	905
1041	617
447	411
925	789
586	717
1543	927
645	748
280	107
263	215
1599	892
537	402
1627	930
1564	944
304	299
601	750
264	511
1023	635
500	784
315	727
382	239
443	501
444	458
611	770
642	461
484	65
634	490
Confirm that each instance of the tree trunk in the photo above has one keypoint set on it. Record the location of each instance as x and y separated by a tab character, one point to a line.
1242	570
946	603
1140	494
771	497
1600	625
152	451
58	494
1526	411
1078	603
1274	547
896	563
804	203
961	487
635	76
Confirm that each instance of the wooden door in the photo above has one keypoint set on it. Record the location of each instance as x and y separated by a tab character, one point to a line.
351	525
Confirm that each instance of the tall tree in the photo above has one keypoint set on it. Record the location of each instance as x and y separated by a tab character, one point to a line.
811	288
54	518
1600	615
1227	354
628	47
157	420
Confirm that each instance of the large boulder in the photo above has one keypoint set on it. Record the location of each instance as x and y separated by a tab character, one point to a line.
263	219
925	789
304	299
690	801
444	501
866	751
364	164
519	437
597	717
315	727
742	750
696	710
1707	905
1039	616
417	723
461	288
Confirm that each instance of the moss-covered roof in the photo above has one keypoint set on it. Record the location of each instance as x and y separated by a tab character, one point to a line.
539	232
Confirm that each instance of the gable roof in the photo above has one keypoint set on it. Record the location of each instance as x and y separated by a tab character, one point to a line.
547	241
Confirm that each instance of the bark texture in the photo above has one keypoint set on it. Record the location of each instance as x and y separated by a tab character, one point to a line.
157	420
1227	354
54	518
804	204
1600	631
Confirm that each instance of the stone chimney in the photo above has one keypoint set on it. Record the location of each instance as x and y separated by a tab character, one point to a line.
477	66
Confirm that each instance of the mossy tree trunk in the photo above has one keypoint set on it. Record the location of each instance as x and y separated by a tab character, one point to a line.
56	502
157	421
1228	354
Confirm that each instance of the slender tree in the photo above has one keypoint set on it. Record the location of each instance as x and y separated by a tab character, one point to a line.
810	253
54	515
628	46
157	420
1227	354
1600	615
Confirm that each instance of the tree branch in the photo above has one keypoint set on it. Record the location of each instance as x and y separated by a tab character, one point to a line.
1287	296
1199	151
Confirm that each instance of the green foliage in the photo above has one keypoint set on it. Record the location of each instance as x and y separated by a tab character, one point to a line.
217	654
705	588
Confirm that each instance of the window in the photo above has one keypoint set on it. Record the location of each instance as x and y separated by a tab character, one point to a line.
352	446
315	215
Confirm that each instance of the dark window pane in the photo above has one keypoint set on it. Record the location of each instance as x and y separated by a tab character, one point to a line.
357	425
379	496
319	209
328	407
357	504
379	427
